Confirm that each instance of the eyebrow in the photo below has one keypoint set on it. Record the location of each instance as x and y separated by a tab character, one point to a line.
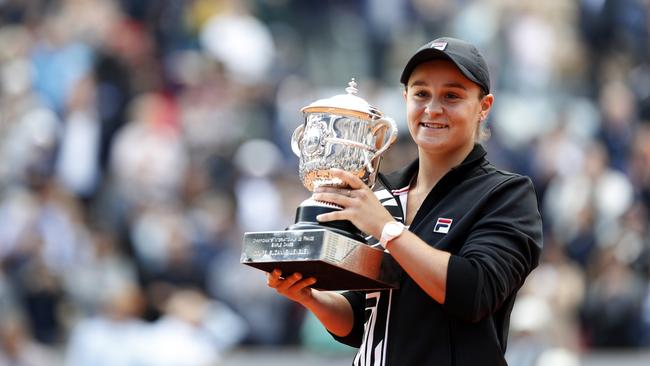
455	85
452	84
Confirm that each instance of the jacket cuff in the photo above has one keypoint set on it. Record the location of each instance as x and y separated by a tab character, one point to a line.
460	297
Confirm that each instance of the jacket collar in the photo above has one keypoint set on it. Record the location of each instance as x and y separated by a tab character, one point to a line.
402	177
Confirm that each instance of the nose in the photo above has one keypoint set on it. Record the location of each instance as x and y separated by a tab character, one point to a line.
433	107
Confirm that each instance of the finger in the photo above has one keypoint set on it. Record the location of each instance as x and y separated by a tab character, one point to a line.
325	189
350	179
335	198
273	277
332	216
307	282
289	281
302	284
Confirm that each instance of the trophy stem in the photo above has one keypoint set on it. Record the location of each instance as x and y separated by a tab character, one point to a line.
306	220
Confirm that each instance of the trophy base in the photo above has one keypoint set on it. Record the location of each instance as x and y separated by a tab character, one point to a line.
336	261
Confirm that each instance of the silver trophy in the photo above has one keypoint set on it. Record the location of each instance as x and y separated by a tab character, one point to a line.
343	132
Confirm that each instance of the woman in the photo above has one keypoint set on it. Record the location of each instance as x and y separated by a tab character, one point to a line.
465	233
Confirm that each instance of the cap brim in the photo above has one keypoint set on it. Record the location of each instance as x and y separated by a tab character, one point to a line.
430	54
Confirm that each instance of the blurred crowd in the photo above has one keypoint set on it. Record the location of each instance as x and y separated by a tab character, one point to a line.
139	140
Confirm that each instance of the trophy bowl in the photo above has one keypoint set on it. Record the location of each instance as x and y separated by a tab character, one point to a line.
343	132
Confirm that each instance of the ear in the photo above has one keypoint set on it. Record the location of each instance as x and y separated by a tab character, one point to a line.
486	106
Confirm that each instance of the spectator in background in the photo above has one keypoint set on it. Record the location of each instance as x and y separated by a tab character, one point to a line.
18	348
113	336
596	187
611	314
78	160
617	127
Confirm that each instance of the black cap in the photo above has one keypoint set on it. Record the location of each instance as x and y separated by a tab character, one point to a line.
464	55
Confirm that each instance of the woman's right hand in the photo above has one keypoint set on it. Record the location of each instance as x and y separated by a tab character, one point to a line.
331	308
292	287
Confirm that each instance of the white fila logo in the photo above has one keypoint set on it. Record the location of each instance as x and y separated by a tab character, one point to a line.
442	225
439	45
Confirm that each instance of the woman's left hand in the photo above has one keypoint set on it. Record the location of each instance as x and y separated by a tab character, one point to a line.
360	205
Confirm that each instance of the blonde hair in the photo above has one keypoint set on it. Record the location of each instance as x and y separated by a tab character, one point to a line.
483	133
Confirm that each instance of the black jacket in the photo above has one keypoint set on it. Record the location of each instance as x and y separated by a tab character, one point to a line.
495	238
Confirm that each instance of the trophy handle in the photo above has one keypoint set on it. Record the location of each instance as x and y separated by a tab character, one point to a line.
386	123
296	137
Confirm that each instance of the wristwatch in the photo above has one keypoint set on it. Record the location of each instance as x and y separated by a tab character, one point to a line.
391	230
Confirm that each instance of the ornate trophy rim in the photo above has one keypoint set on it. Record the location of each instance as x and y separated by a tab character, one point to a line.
346	104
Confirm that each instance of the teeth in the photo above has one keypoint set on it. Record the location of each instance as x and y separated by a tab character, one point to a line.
434	125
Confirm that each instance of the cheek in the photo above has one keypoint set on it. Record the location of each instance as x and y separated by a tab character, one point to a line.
413	111
465	119
413	117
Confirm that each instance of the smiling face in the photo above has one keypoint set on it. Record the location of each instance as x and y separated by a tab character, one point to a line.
444	109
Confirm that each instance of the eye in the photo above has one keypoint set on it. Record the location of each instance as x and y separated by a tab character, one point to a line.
452	96
421	93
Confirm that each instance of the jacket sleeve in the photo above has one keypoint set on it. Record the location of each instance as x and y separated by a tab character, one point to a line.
502	248
357	300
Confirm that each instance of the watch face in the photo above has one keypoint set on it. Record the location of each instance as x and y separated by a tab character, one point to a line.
394	229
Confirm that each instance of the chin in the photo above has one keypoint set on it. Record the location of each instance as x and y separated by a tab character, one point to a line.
427	142
440	146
